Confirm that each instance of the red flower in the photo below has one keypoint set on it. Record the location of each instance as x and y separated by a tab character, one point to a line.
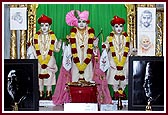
88	21
116	77
113	54
125	34
111	44
74	30
119	77
89	51
38	32
81	72
51	32
103	46
125	54
119	67
50	52
35	41
52	41
87	60
112	34
44	66
74	50
38	52
72	40
76	60
122	77
91	31
90	41
127	44
44	76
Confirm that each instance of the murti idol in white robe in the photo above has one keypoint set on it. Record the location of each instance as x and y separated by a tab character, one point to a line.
81	40
118	47
82	46
45	44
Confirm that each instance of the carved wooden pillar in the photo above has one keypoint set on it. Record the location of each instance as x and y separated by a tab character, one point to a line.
23	40
13	45
131	23
23	44
31	22
159	31
13	40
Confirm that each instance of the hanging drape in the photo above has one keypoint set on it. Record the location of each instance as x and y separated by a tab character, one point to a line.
100	16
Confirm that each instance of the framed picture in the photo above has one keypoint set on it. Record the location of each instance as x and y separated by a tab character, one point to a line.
146	31
18	18
21	85
146	82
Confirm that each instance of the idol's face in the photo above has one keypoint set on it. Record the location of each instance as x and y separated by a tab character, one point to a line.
81	24
45	27
118	28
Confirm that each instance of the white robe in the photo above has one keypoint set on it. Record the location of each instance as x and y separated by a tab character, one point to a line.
112	71
52	67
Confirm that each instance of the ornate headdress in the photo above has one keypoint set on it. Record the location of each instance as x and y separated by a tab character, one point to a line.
117	20
44	19
73	16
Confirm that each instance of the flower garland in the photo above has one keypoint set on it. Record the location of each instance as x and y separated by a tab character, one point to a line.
120	93
119	64
44	62
81	67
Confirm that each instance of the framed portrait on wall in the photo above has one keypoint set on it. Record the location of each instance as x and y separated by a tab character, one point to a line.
18	18
146	44
20	85
146	31
146	83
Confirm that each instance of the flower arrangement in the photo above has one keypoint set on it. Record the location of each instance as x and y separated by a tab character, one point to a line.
81	67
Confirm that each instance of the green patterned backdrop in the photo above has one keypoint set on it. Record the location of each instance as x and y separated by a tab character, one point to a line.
100	16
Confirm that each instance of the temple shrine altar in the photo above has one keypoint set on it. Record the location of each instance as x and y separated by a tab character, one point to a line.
83	91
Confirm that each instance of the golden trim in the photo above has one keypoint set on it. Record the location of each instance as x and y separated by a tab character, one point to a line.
131	23
23	44
31	22
159	34
13	45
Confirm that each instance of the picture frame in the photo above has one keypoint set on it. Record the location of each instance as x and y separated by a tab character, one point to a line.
139	69
146	31
21	85
18	18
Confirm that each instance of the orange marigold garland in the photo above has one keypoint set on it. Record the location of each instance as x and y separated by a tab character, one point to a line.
119	64
81	67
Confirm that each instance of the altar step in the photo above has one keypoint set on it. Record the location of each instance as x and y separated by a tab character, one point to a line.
43	103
